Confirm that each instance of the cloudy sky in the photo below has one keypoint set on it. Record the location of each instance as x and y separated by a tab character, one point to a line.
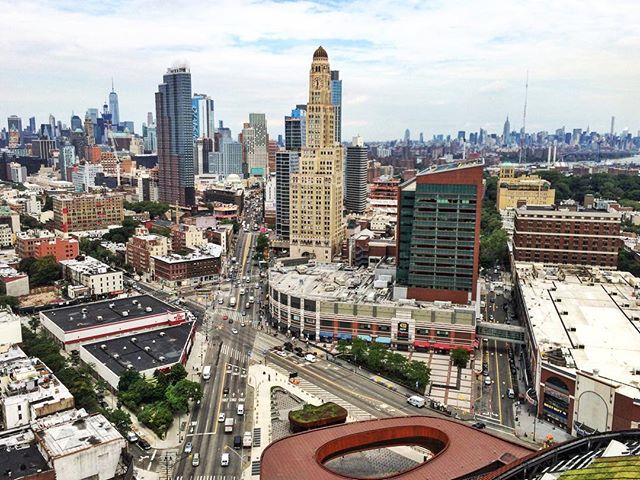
431	66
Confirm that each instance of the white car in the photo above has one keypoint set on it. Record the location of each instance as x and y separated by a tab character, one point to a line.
310	358
224	460
282	353
234	331
221	301
242	324
221	417
487	380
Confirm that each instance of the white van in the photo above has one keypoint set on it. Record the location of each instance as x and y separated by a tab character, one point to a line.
206	372
416	401
511	393
240	409
224	460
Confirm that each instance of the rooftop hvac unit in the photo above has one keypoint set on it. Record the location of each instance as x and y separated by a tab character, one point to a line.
161	359
162	334
125	313
115	355
139	306
148	309
130	366
564	312
99	317
111	305
103	346
558	300
572	329
147	349
135	301
124	347
134	340
84	310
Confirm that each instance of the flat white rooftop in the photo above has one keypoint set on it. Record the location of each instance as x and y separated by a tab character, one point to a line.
592	317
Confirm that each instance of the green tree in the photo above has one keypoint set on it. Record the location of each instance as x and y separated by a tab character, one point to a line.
127	378
157	416
460	357
155	209
179	394
177	373
418	374
119	418
42	272
7	301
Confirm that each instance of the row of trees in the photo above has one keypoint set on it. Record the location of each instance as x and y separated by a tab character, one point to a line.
493	238
42	271
157	399
262	244
625	188
377	358
155	209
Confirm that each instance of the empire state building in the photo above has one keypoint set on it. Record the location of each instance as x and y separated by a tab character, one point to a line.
316	220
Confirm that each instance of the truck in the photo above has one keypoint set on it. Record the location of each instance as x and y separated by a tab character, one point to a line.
416	401
232	302
206	372
247	440
228	425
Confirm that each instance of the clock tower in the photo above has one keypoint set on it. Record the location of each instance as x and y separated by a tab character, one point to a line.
316	221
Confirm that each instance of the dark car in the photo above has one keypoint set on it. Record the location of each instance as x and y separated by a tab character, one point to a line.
225	390
237	442
143	444
288	346
479	425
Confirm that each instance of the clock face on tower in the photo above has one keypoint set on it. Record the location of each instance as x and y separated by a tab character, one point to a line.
316	83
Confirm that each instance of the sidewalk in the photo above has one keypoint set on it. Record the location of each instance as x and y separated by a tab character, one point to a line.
172	438
537	431
261	379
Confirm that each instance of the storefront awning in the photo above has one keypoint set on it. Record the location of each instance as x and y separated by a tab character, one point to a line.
365	337
344	336
326	334
385	340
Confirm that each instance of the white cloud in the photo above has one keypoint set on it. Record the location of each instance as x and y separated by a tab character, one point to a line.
430	66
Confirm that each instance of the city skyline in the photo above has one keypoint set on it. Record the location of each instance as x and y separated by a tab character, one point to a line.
449	70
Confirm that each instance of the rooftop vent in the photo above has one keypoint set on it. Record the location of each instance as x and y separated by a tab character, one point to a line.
147	349
125	313
148	309
115	355
99	317
162	334
161	359
103	346
134	340
111	305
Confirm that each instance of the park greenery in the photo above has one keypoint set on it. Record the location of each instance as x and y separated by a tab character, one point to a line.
42	272
93	248
460	357
622	188
156	400
122	234
262	245
155	209
77	378
493	238
376	357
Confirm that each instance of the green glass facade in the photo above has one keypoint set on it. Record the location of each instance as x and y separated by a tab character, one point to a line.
437	224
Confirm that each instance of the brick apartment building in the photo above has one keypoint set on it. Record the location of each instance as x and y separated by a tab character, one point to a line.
81	212
142	246
41	243
563	236
184	270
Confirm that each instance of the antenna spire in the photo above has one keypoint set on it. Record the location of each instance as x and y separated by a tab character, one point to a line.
112	89
524	121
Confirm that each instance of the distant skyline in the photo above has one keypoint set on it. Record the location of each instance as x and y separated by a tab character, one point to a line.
430	66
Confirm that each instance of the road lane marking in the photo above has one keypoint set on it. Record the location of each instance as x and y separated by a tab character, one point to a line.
497	382
215	418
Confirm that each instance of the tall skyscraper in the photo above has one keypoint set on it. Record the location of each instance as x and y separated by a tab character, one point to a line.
203	123
66	159
14	124
613	126
295	129
150	121
336	101
228	160
174	126
114	108
287	163
421	137
506	132
316	190
439	233
256	154
355	197
32	125
76	123
52	126
407	136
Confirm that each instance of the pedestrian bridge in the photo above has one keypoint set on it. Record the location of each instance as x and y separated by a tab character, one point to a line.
501	332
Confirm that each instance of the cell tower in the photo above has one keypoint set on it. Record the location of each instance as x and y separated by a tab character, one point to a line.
524	122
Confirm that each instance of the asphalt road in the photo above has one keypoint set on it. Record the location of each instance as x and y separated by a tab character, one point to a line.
494	401
228	354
